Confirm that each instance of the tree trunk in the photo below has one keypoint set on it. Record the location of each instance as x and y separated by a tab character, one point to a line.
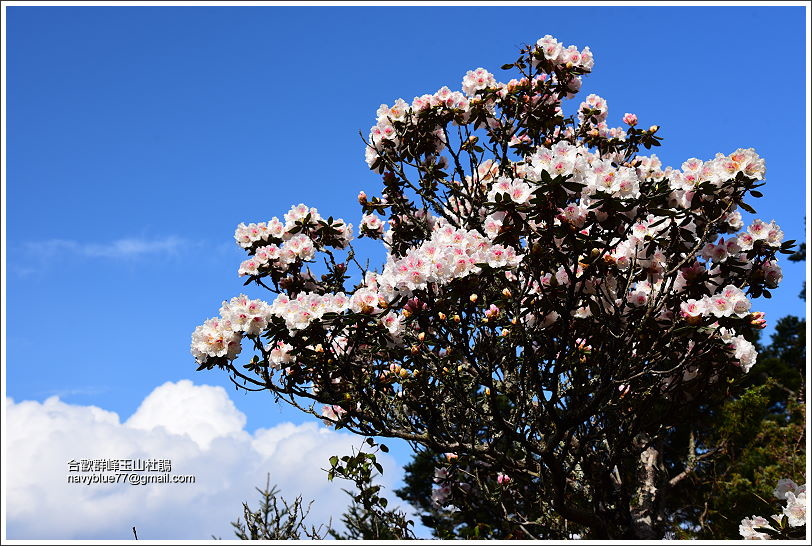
647	519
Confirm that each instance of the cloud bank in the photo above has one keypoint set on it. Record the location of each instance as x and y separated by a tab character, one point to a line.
199	429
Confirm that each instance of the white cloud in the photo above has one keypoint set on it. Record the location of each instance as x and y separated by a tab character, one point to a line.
168	407
199	429
121	248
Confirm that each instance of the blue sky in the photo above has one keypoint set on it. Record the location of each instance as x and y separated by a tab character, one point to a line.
138	138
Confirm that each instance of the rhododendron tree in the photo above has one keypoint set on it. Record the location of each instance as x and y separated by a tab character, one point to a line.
548	304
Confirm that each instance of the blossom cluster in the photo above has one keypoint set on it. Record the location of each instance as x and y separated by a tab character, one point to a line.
743	351
731	300
598	173
717	171
582	166
371	225
277	245
246	315
517	191
215	338
477	80
279	354
795	497
795	511
596	106
221	336
332	413
441	492
401	113
448	254
770	233
306	307
299	247
555	52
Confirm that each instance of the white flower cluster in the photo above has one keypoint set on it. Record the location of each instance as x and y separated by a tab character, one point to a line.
300	311
599	175
246	315
401	111
394	323
795	511
274	230
279	354
332	414
299	246
516	190
584	167
449	254
555	52
372	225
772	273
749	526
440	493
476	80
593	102
248	234
743	351
221	336
718	170
296	246
730	300
720	251
574	214
610	132
770	233
633	248
795	495
215	338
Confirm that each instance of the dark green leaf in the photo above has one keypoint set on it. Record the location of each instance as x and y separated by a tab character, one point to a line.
747	207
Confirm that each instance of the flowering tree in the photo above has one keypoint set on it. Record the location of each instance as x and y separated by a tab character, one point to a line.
551	303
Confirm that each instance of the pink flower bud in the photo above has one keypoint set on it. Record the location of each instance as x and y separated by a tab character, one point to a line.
630	119
757	320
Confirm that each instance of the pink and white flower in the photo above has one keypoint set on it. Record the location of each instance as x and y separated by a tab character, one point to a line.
371	224
280	354
215	338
